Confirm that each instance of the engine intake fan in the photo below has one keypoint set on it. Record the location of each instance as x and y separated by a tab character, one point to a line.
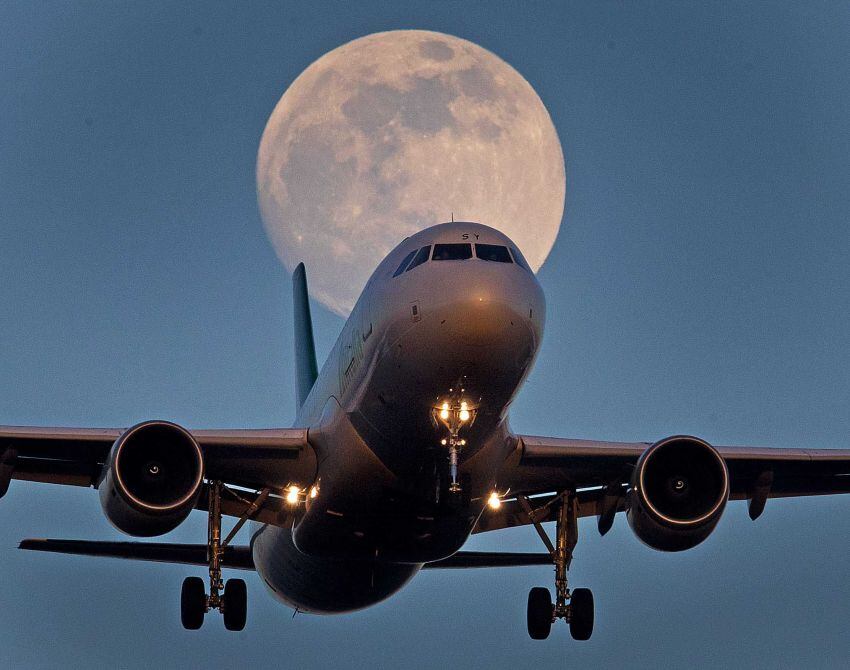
679	490
152	479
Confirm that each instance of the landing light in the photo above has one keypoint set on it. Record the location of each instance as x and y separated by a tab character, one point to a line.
454	414
314	491
293	493
494	501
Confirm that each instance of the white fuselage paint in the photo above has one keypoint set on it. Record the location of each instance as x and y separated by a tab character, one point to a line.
383	508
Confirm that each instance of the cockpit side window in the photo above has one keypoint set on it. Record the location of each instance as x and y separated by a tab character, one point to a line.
421	257
493	252
452	252
404	263
520	260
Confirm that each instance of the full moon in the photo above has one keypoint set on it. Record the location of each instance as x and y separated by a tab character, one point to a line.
395	132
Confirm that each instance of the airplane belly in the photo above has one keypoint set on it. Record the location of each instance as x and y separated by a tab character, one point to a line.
323	585
363	510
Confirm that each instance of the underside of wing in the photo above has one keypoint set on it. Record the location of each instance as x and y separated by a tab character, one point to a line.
250	462
602	473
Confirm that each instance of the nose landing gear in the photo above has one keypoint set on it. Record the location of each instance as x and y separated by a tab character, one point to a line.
577	607
454	412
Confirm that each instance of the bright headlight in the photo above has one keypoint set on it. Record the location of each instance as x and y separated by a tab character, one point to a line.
293	493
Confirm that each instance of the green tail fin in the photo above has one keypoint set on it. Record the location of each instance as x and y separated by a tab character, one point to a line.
305	348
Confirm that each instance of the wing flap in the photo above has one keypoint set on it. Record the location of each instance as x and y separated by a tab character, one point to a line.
511	513
272	510
55	471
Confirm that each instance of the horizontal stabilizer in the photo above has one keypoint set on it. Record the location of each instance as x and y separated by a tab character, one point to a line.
239	557
487	559
189	554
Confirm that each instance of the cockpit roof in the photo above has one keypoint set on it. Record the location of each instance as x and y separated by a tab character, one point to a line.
453	231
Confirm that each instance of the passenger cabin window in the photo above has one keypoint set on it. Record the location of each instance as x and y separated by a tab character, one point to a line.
404	263
493	252
421	257
452	252
519	259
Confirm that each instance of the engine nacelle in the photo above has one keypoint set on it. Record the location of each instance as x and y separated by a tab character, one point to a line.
152	479
679	489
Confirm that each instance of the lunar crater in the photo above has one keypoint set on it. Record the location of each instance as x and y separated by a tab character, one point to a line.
436	50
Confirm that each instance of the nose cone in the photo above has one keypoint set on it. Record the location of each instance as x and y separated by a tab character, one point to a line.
468	323
482	304
478	322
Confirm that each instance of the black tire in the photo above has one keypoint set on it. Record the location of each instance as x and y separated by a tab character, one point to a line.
193	603
539	613
581	614
235	604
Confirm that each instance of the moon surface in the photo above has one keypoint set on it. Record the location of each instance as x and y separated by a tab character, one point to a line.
395	132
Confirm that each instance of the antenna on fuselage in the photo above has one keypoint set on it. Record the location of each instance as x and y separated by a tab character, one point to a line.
453	217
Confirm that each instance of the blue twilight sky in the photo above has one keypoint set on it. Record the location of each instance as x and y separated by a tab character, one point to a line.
699	284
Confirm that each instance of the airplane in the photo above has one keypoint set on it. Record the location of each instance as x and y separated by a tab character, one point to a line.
400	450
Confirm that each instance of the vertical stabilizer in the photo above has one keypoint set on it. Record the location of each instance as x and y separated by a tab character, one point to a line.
305	348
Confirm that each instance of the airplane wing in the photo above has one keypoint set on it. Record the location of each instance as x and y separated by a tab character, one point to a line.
542	466
250	459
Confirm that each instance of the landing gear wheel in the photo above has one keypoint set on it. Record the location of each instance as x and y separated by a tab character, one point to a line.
539	613
581	614
193	603
235	604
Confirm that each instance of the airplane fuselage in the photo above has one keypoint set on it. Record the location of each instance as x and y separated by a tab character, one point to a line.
463	326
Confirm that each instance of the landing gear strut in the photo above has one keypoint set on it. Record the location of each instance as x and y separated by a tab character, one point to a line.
577	607
454	412
233	602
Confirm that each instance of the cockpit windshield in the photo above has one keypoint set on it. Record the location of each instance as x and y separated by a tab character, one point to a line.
420	257
404	263
493	252
452	252
520	259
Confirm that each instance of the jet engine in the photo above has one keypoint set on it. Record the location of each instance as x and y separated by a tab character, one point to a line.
152	479
679	489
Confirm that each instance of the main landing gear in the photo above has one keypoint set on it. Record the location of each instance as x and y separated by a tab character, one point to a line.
230	598
575	607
